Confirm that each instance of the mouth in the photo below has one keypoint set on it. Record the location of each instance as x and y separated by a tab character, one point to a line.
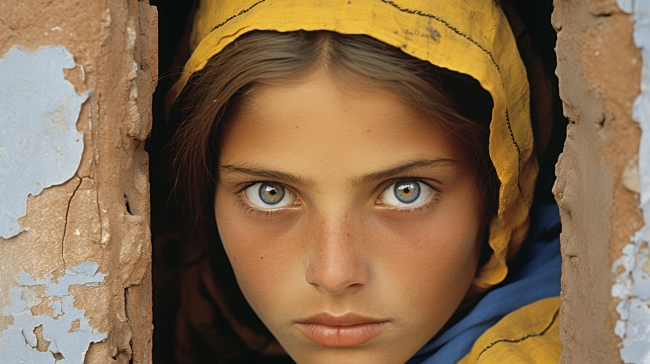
340	331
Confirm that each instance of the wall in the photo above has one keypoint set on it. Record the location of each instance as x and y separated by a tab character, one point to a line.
598	182
76	79
632	285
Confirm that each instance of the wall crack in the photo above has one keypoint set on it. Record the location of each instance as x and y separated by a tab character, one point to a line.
40	144
67	213
2	22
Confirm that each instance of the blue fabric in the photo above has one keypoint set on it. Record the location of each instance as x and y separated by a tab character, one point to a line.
534	275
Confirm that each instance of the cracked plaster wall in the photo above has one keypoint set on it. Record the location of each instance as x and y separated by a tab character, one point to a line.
597	188
632	285
89	231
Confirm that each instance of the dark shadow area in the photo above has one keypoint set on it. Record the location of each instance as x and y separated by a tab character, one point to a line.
170	252
537	17
165	222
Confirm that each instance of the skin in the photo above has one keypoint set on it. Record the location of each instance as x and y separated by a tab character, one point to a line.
338	243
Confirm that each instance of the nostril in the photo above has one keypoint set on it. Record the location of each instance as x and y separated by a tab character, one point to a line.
337	279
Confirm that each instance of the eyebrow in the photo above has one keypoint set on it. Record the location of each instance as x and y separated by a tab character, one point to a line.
299	180
402	168
266	174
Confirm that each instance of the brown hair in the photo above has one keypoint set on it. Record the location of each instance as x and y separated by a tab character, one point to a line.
455	101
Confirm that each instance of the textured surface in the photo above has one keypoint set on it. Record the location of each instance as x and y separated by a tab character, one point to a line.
67	331
598	69
632	285
39	142
83	266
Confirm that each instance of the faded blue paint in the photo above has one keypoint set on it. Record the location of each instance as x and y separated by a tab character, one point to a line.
18	341
39	142
633	284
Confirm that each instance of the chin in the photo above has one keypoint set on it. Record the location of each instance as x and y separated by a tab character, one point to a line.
354	355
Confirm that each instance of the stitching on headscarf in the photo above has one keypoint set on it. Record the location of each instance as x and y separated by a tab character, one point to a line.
455	30
512	137
244	11
555	315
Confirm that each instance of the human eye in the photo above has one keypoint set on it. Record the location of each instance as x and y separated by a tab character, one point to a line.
406	193
269	195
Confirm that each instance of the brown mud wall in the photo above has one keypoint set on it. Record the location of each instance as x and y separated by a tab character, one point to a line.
599	70
90	233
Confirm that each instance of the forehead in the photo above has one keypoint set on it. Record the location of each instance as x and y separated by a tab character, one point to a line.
329	126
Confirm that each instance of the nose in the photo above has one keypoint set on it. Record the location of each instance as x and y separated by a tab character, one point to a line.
336	259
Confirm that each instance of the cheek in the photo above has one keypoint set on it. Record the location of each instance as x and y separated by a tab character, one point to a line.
433	258
432	261
262	265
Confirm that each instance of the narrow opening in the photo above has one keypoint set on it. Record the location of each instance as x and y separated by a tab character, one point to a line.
126	205
167	235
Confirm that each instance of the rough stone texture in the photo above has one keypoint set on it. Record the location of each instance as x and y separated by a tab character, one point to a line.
598	68
101	215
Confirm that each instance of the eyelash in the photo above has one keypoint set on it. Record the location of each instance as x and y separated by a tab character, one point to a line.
264	213
248	184
269	213
259	212
435	194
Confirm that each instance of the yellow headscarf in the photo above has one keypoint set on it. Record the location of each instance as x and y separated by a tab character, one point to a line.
469	37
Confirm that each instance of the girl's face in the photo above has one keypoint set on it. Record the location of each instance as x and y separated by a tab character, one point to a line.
353	223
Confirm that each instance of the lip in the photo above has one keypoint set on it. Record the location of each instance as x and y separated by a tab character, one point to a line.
345	330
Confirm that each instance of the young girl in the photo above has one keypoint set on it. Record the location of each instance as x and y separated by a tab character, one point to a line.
362	175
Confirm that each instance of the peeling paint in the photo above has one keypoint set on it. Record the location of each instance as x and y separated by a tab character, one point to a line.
633	283
39	142
67	331
625	5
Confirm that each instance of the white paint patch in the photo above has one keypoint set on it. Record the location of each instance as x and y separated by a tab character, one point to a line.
18	341
625	5
132	36
633	284
39	142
